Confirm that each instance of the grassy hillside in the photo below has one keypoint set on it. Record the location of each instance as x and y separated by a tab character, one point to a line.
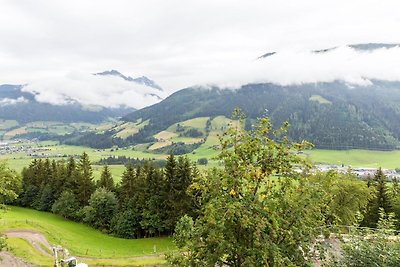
80	239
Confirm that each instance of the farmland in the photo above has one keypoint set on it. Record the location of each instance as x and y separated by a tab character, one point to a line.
208	142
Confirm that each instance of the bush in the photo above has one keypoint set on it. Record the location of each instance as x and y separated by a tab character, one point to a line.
126	224
193	133
3	242
66	205
100	210
202	161
369	248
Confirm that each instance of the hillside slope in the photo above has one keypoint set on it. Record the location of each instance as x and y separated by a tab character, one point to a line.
331	115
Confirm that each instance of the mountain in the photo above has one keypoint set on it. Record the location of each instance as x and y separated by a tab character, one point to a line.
140	80
358	47
22	107
330	115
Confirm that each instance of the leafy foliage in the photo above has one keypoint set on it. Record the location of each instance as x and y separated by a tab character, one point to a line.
344	197
101	208
372	248
249	217
10	187
66	205
10	184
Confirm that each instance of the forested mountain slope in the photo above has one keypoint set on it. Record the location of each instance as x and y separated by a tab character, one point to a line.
22	107
330	115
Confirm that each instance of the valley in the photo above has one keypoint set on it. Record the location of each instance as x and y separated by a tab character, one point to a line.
19	152
199	133
349	126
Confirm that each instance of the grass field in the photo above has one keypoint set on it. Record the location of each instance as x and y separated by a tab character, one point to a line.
197	123
165	135
80	239
12	133
125	130
160	144
23	250
357	157
7	124
319	99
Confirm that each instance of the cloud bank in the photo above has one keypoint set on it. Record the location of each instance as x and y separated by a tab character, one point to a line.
298	67
286	67
11	101
89	89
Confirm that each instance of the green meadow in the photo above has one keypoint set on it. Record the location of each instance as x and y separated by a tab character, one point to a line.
81	240
357	157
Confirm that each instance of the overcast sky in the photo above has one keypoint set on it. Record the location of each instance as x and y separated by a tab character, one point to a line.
180	43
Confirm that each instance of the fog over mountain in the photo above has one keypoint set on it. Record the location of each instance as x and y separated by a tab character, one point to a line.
107	89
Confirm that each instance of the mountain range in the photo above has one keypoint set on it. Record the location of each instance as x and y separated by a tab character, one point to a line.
23	106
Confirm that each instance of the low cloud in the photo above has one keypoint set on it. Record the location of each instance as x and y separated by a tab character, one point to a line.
286	67
89	89
12	101
300	67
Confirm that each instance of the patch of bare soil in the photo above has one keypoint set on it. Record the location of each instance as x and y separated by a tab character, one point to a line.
9	260
37	240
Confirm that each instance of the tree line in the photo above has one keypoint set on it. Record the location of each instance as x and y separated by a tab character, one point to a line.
148	201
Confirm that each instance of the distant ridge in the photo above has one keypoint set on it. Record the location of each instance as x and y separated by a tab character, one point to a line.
358	47
330	115
140	80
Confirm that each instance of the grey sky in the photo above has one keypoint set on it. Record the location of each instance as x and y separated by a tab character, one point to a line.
181	43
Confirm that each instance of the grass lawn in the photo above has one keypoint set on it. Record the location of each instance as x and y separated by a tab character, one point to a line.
80	239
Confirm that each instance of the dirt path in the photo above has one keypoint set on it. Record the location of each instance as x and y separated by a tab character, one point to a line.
9	260
37	240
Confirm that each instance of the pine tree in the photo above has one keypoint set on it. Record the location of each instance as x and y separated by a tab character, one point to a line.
381	200
178	177
127	185
395	187
153	214
106	179
71	174
85	186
